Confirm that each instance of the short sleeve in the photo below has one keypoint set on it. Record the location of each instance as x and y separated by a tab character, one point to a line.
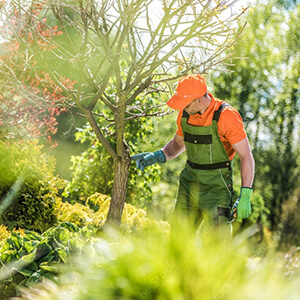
231	126
179	128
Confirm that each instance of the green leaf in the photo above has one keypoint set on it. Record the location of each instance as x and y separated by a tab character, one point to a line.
31	235
21	285
26	272
43	249
49	232
62	235
50	267
88	230
51	276
47	259
17	240
77	243
9	256
30	245
30	258
72	227
63	254
57	244
34	279
5	247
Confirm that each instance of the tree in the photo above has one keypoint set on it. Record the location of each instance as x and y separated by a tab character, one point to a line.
134	47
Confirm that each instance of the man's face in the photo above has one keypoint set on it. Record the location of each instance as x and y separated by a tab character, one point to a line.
194	107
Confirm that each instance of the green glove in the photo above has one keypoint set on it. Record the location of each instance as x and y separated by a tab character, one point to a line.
148	158
244	205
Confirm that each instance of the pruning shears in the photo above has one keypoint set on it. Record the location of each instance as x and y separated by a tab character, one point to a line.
233	211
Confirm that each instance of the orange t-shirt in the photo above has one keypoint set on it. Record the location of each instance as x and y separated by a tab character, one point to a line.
230	124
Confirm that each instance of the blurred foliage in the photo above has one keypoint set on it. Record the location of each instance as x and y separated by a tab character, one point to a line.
264	87
34	204
288	4
288	233
159	266
29	258
30	100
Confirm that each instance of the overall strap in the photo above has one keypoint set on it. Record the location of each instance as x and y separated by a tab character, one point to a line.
185	115
217	113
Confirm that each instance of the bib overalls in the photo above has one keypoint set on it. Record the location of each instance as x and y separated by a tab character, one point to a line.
205	184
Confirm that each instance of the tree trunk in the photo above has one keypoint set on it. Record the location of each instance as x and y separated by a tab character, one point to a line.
121	172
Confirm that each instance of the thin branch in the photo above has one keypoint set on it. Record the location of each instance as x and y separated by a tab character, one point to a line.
140	89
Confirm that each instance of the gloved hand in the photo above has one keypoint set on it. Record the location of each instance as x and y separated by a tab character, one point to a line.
148	158
244	205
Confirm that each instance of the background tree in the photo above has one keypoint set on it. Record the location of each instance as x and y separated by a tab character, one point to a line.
133	47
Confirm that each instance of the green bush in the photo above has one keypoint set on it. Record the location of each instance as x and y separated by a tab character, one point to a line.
28	258
28	187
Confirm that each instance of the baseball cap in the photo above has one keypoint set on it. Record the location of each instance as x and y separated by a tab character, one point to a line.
189	88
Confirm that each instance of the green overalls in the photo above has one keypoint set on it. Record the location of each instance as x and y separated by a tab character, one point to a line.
205	189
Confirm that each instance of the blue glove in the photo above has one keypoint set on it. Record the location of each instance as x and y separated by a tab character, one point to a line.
146	159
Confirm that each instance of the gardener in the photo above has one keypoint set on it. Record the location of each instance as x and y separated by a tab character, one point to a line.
211	132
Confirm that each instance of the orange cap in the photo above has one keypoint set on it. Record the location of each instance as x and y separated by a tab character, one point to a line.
189	88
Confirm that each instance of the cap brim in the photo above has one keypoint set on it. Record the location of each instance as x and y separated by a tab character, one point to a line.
179	103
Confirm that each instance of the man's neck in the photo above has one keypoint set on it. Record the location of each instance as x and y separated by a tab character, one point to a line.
206	104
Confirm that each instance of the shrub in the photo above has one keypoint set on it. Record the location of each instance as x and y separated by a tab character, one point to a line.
95	213
28	183
77	213
28	258
4	235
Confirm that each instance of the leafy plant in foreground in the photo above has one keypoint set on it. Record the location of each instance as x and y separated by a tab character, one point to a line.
31	258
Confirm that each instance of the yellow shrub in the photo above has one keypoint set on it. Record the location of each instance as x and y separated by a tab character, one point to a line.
95	213
4	235
132	218
75	213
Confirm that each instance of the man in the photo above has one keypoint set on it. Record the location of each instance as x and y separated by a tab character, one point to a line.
211	132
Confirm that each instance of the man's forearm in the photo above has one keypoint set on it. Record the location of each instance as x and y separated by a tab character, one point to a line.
247	170
173	149
244	152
